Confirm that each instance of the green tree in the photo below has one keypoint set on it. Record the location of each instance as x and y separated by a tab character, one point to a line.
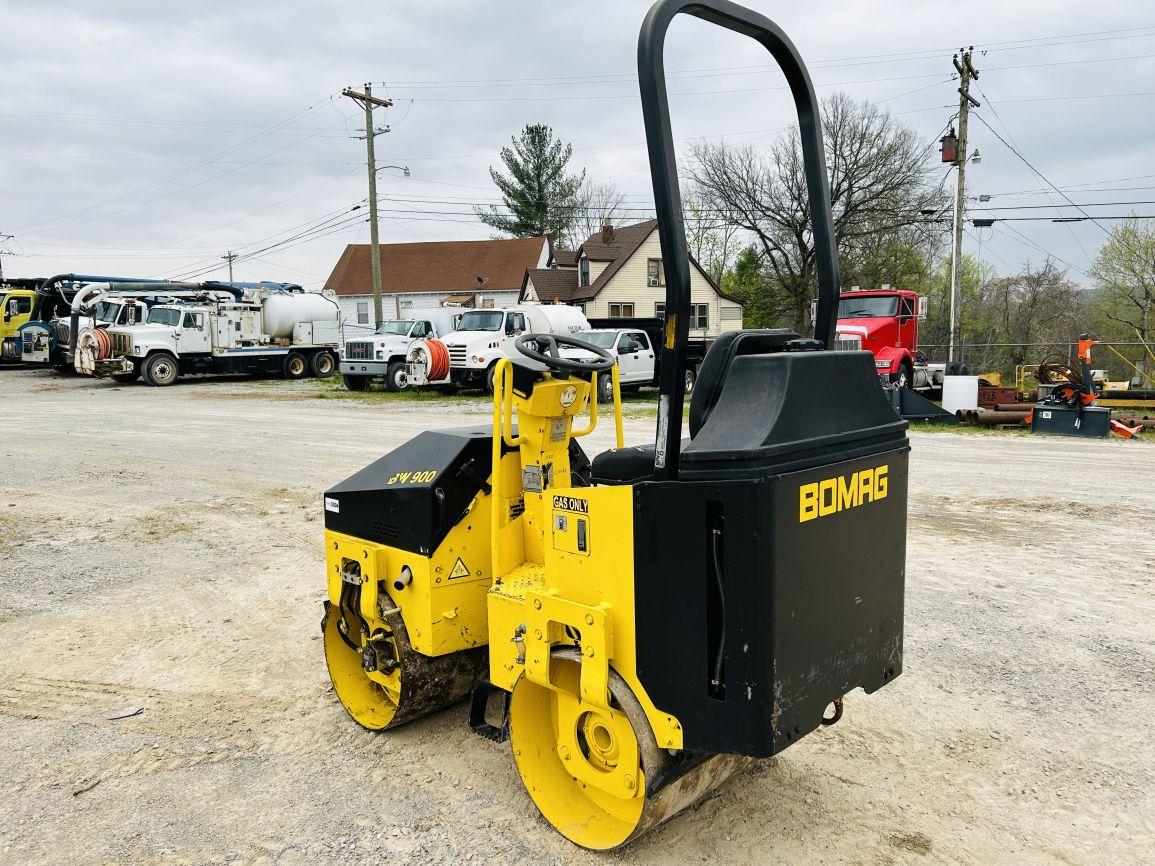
539	196
1124	276
746	281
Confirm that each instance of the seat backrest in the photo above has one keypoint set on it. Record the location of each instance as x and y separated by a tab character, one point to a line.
712	372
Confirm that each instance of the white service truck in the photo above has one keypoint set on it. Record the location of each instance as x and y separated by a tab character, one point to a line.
484	337
294	334
383	355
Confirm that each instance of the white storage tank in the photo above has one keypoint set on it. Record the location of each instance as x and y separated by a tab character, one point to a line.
283	312
560	319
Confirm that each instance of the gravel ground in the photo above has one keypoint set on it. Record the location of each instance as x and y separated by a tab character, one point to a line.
160	550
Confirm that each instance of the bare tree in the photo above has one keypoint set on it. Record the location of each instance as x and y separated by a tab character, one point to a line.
880	181
595	202
711	232
1038	305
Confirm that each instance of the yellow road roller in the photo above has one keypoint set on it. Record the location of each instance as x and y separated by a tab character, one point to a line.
640	626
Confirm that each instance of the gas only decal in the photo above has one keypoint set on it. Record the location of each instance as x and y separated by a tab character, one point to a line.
568	396
569	503
460	569
332	504
831	495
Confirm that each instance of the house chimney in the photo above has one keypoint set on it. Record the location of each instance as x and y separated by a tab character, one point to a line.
607	231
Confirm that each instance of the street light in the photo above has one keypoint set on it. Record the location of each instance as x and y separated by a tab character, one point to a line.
402	168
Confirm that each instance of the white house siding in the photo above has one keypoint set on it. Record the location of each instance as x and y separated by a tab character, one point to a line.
409	304
629	284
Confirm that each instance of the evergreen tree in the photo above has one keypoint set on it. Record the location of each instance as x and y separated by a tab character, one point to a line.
539	196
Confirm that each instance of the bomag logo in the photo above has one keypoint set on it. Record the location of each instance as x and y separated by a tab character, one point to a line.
831	495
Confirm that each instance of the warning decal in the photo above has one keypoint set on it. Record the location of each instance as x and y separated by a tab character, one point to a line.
460	569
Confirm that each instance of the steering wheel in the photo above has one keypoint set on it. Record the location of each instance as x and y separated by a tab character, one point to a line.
543	348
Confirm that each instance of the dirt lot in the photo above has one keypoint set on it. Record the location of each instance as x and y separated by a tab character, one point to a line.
161	549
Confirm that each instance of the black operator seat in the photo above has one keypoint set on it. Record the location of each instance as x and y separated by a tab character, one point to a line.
636	463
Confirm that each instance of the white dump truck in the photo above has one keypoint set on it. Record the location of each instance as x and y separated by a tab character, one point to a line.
382	356
468	356
294	334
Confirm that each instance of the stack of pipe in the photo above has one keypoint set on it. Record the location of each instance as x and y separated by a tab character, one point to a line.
1016	413
990	418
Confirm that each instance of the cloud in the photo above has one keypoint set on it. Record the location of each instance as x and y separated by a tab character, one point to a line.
139	139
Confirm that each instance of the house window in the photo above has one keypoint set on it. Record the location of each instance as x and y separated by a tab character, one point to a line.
362	312
660	309
700	316
487	303
621	311
585	272
655	272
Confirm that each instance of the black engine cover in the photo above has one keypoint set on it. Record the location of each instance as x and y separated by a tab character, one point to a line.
414	495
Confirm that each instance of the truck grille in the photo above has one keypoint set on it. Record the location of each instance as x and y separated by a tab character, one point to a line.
847	343
121	344
457	356
359	351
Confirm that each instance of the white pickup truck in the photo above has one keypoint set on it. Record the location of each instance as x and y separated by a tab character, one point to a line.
382	355
637	359
637	343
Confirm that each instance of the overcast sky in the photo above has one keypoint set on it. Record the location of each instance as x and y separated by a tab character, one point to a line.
139	140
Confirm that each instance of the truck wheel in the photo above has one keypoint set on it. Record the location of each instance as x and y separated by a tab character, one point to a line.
691	378
296	366
490	375
161	369
396	378
128	377
322	365
902	378
605	388
357	383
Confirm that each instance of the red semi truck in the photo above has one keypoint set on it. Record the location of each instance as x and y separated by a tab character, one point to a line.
884	322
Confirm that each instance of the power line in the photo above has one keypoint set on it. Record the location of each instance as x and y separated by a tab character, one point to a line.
1038	173
181	172
1021	238
841	62
167	195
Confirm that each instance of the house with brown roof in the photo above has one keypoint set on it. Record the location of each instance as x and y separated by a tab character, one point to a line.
421	275
618	272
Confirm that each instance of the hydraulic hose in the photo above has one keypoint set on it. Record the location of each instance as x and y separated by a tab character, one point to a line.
719	655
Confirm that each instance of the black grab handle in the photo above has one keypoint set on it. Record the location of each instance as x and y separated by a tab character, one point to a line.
668	198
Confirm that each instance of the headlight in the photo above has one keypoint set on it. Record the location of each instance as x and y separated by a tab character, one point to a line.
473	358
380	354
136	350
879	363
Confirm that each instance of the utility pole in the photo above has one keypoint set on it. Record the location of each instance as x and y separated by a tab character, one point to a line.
230	257
3	237
368	102
966	72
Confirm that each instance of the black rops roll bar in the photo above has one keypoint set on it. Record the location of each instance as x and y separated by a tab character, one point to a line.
668	198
